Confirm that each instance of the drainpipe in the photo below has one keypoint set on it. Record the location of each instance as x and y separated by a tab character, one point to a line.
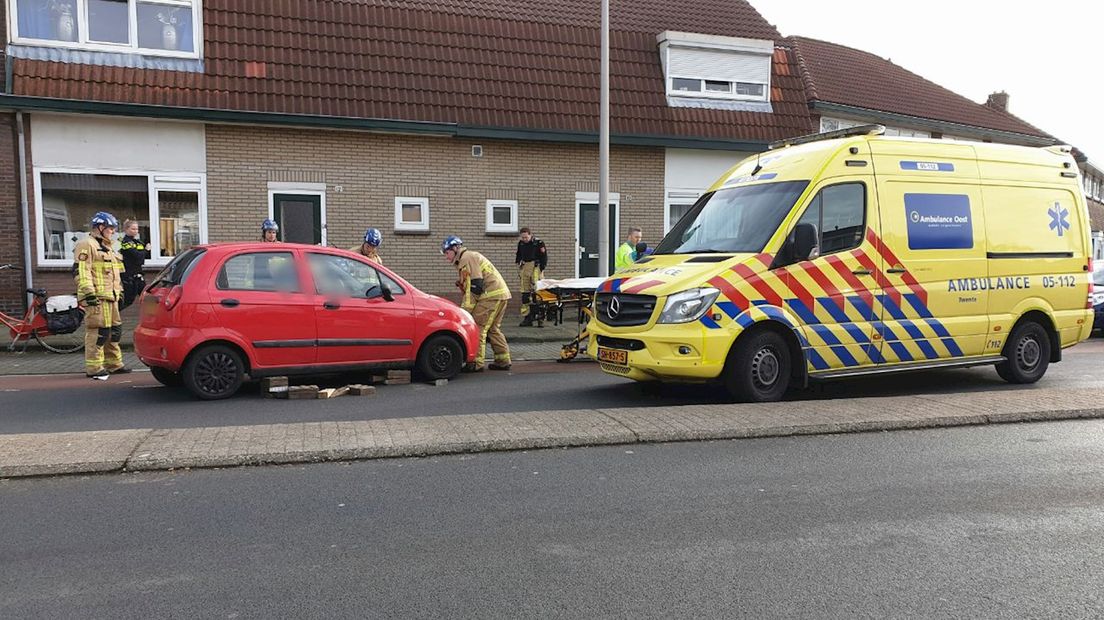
25	205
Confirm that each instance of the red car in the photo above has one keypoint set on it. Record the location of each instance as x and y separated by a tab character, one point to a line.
219	313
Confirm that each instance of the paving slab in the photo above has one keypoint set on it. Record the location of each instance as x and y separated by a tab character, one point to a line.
47	454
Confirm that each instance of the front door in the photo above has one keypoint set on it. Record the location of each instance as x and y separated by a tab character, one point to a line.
355	324
299	217
259	296
588	239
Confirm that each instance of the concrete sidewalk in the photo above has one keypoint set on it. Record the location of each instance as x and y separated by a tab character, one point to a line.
160	449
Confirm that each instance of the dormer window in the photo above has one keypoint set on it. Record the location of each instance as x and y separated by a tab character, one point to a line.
714	68
150	27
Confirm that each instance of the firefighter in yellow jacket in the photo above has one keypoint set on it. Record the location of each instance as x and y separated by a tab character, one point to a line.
370	247
98	269
485	296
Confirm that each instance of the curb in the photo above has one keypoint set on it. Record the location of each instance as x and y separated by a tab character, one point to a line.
50	454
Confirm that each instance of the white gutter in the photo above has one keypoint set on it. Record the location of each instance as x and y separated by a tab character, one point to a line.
25	205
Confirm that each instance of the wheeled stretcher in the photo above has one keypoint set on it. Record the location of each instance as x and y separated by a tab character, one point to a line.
554	296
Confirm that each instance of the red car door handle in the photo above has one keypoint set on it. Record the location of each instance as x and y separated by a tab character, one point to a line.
230	303
331	305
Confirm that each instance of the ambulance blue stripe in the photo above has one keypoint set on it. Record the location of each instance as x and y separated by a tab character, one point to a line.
952	347
729	308
834	343
803	312
946	338
864	310
745	320
709	322
858	336
893	341
920	339
816	360
891	307
615	286
833	308
775	313
917	305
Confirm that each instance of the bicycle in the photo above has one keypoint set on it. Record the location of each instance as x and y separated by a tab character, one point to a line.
33	325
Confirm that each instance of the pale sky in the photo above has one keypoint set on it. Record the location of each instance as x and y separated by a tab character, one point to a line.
1048	56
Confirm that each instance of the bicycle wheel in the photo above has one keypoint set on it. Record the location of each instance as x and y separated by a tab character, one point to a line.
61	343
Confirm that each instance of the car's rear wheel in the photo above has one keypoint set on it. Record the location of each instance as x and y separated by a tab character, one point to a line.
758	368
214	372
1027	354
441	357
166	377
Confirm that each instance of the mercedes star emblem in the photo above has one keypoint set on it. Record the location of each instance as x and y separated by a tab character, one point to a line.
614	308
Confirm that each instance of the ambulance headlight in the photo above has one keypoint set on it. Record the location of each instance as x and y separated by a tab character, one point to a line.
688	305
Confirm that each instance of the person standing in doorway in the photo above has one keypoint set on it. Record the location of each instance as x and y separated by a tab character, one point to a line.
485	295
134	253
531	259
369	248
269	231
97	270
625	253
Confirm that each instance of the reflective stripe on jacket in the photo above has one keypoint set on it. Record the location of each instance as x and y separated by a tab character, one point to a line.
97	269
472	266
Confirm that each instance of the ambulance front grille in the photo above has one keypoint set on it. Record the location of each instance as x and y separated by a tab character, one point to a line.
620	370
624	310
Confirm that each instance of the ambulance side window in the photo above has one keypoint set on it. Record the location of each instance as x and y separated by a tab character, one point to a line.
839	214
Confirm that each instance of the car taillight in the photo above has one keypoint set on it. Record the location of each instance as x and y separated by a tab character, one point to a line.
174	296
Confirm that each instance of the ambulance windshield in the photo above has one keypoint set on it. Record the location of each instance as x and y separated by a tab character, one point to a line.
733	220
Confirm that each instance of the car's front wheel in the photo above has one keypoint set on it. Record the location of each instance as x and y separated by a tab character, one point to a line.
441	357
1027	354
214	372
758	368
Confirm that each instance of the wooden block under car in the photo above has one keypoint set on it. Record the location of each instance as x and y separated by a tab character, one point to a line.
333	392
362	390
274	387
302	392
397	377
440	382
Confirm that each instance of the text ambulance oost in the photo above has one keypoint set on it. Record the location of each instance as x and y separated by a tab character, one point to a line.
854	253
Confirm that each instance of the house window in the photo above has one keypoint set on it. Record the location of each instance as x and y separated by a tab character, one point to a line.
170	211
411	213
679	203
161	27
718	88
708	67
502	216
299	209
686	85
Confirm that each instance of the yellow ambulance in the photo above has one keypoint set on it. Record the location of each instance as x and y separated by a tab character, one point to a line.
853	253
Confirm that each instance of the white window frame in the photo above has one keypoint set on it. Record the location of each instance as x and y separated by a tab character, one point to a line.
156	181
422	226
677	197
302	189
512	227
706	94
83	43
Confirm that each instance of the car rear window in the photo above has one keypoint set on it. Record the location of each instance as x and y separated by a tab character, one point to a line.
177	271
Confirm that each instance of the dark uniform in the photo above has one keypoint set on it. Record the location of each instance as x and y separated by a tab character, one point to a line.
134	254
531	259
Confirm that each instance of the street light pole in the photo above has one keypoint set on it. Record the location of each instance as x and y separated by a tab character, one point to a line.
603	151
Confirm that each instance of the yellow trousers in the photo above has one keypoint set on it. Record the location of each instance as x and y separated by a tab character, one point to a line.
488	315
529	274
103	329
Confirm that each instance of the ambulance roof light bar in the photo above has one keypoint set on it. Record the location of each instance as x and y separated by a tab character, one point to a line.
859	130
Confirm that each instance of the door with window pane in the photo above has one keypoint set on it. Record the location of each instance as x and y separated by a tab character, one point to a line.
178	221
299	217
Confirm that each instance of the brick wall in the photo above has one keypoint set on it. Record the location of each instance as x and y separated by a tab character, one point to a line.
372	169
11	232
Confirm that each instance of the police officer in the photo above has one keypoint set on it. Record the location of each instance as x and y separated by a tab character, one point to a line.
134	254
485	296
97	269
531	259
369	248
269	230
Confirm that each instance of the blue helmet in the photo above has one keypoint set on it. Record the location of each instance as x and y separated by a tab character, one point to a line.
373	237
269	225
450	242
103	218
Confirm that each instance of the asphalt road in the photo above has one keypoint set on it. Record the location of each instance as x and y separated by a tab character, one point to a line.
57	403
975	522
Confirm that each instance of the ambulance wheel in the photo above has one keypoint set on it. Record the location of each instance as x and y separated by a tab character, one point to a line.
758	368
1027	354
214	372
166	377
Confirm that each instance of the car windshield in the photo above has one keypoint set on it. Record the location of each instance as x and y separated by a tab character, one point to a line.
737	219
177	271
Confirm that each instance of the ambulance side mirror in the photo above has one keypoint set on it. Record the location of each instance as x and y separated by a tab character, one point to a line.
805	242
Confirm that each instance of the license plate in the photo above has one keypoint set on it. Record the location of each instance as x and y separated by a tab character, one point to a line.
613	356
